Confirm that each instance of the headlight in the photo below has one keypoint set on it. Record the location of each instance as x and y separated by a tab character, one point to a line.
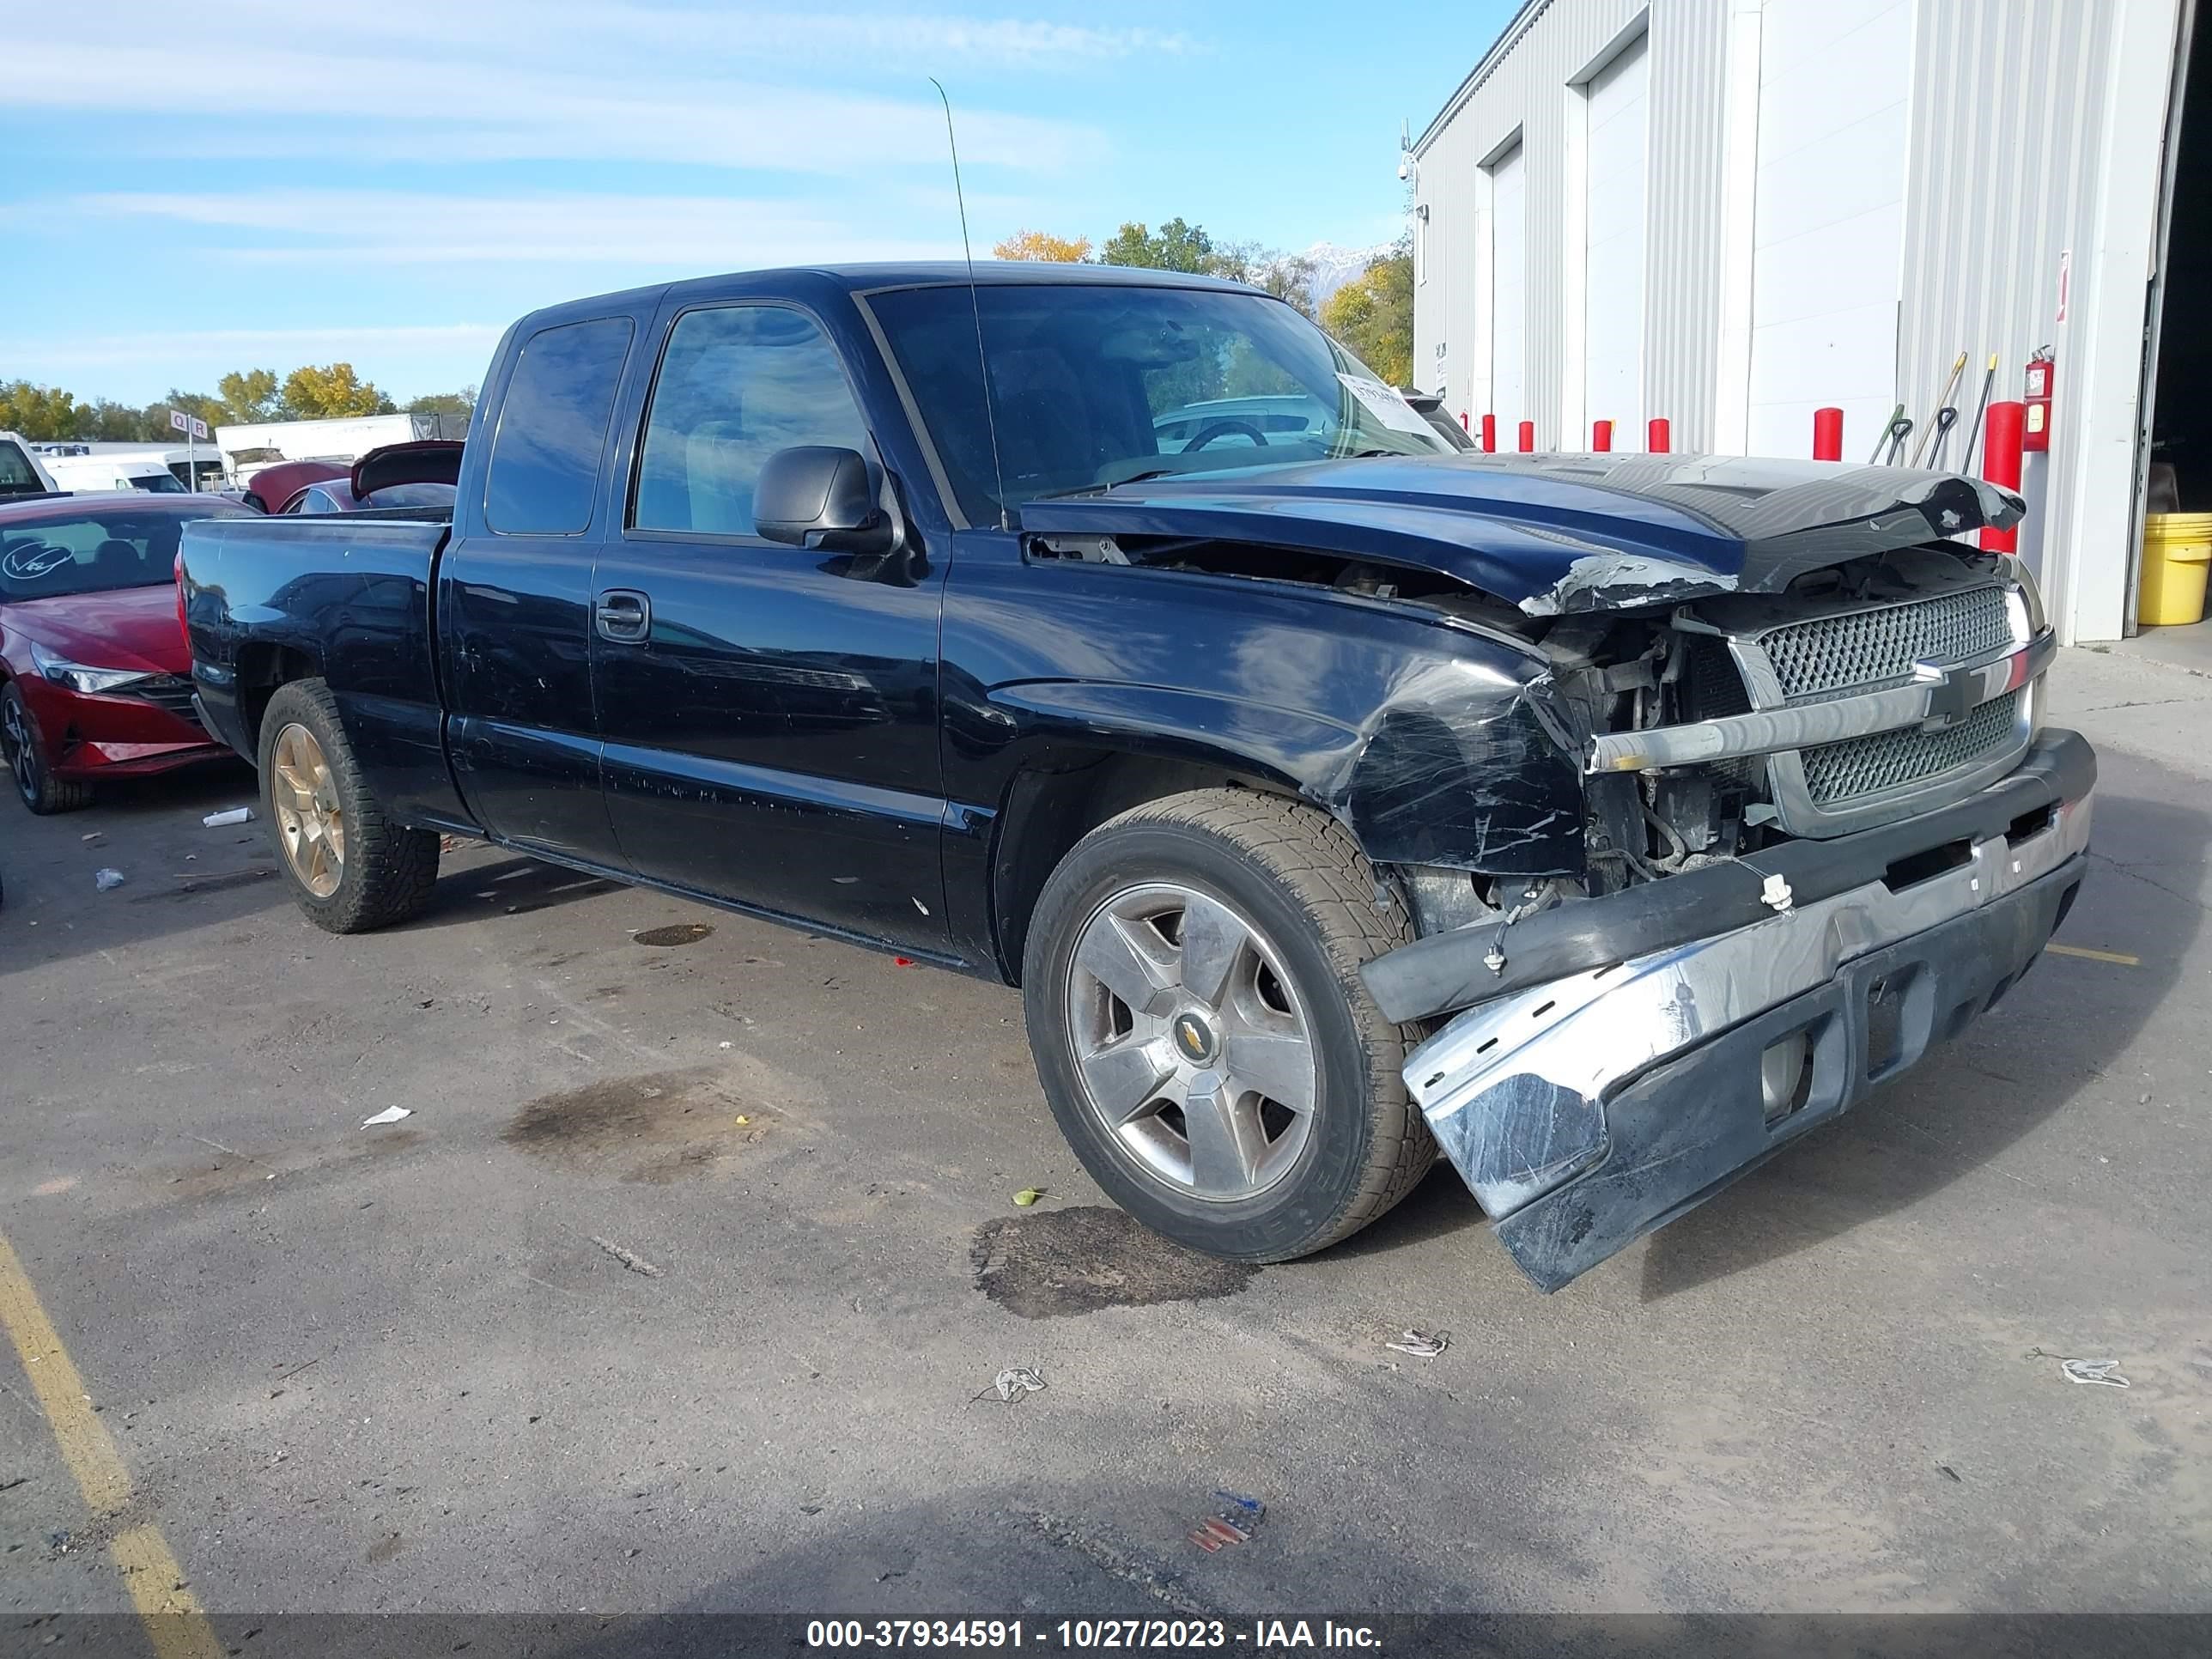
78	677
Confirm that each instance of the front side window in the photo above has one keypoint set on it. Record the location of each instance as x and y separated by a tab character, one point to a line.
17	476
738	384
544	468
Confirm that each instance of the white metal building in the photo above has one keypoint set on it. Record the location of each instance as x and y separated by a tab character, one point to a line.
1732	212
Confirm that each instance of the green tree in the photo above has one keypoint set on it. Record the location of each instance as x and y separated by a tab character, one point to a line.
330	392
105	421
156	415
39	412
250	395
1043	245
1177	246
452	408
1372	315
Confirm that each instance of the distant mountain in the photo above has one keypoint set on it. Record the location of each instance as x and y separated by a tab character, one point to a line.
1335	266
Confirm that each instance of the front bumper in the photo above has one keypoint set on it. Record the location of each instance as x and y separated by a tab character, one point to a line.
1588	1111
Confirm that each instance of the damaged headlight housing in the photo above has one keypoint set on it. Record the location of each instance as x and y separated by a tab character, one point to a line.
80	678
2024	601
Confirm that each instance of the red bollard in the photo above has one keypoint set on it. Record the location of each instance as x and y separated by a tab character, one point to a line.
1528	437
1661	438
1490	434
1827	434
1600	437
2000	452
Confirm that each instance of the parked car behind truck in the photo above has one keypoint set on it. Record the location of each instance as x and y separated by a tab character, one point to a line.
1329	793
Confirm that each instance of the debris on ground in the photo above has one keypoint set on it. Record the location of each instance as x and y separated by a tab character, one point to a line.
389	1115
2106	1371
90	836
1234	1521
902	962
1011	1383
1029	1195
630	1259
1949	1472
10	1486
1419	1344
107	880
234	815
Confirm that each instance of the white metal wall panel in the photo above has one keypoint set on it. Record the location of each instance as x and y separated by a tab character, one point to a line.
1828	226
2008	118
1522	84
1509	281
1619	155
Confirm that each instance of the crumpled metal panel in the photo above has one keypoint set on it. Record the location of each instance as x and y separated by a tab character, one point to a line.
1515	1089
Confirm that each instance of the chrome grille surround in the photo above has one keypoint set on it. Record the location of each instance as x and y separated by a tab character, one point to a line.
1834	788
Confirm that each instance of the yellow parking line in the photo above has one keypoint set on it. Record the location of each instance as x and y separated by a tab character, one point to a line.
2113	956
174	1622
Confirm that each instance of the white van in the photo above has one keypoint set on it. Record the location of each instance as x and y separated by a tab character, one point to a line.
82	473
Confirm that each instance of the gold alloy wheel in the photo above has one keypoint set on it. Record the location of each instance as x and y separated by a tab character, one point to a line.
309	818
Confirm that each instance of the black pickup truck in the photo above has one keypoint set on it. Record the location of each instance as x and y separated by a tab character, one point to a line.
1332	794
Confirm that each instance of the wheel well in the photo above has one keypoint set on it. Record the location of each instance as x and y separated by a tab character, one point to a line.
1052	805
261	669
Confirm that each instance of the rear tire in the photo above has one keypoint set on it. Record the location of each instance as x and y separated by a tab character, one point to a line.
352	868
24	749
1162	1085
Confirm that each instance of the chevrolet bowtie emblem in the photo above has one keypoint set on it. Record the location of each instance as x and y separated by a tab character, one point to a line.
1953	693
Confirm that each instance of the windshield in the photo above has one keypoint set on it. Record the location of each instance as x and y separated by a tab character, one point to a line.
1094	386
95	550
157	483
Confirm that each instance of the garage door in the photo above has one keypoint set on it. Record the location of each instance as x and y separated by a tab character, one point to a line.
1509	291
1828	232
1613	380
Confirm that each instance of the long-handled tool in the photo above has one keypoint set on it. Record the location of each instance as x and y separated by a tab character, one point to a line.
1884	433
1958	368
1974	431
1946	418
1900	430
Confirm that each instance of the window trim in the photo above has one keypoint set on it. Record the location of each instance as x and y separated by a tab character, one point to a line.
607	434
630	529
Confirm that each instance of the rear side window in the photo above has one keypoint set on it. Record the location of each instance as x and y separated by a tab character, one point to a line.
738	384
545	466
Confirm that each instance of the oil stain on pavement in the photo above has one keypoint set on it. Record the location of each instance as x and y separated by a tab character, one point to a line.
1077	1260
680	1122
683	932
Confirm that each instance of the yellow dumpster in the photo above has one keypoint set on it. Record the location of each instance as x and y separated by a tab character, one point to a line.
2177	548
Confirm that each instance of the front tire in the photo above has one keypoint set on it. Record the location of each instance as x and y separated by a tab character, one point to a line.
1193	995
25	752
352	868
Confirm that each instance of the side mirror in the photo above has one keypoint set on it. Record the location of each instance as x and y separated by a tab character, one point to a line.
815	495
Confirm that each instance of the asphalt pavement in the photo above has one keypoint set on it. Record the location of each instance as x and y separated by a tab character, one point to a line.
684	1283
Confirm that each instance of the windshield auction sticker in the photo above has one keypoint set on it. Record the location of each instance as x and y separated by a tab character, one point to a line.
1385	404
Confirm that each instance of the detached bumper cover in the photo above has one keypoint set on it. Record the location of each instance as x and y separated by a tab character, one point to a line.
1588	1110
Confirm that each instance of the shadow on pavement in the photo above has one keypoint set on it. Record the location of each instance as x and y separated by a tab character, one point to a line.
515	886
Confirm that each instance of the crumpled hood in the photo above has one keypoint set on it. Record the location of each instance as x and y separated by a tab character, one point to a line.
125	628
1555	534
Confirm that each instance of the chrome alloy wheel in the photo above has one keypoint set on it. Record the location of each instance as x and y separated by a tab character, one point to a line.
22	748
1189	1041
310	821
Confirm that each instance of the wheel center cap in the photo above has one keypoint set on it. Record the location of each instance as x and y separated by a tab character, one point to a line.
1193	1039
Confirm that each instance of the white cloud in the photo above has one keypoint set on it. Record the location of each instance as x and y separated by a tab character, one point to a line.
495	81
691	234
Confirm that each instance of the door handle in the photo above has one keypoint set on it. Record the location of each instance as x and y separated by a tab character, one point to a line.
624	615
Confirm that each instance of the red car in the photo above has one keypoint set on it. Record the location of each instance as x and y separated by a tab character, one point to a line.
95	677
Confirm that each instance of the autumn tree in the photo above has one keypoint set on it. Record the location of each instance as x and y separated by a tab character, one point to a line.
1372	315
452	408
1043	245
332	391
39	412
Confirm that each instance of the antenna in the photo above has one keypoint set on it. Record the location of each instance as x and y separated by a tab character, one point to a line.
975	304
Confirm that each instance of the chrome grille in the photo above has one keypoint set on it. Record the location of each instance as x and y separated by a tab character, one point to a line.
1864	648
172	692
1889	760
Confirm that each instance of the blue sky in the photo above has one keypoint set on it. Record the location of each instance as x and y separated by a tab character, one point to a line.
263	183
